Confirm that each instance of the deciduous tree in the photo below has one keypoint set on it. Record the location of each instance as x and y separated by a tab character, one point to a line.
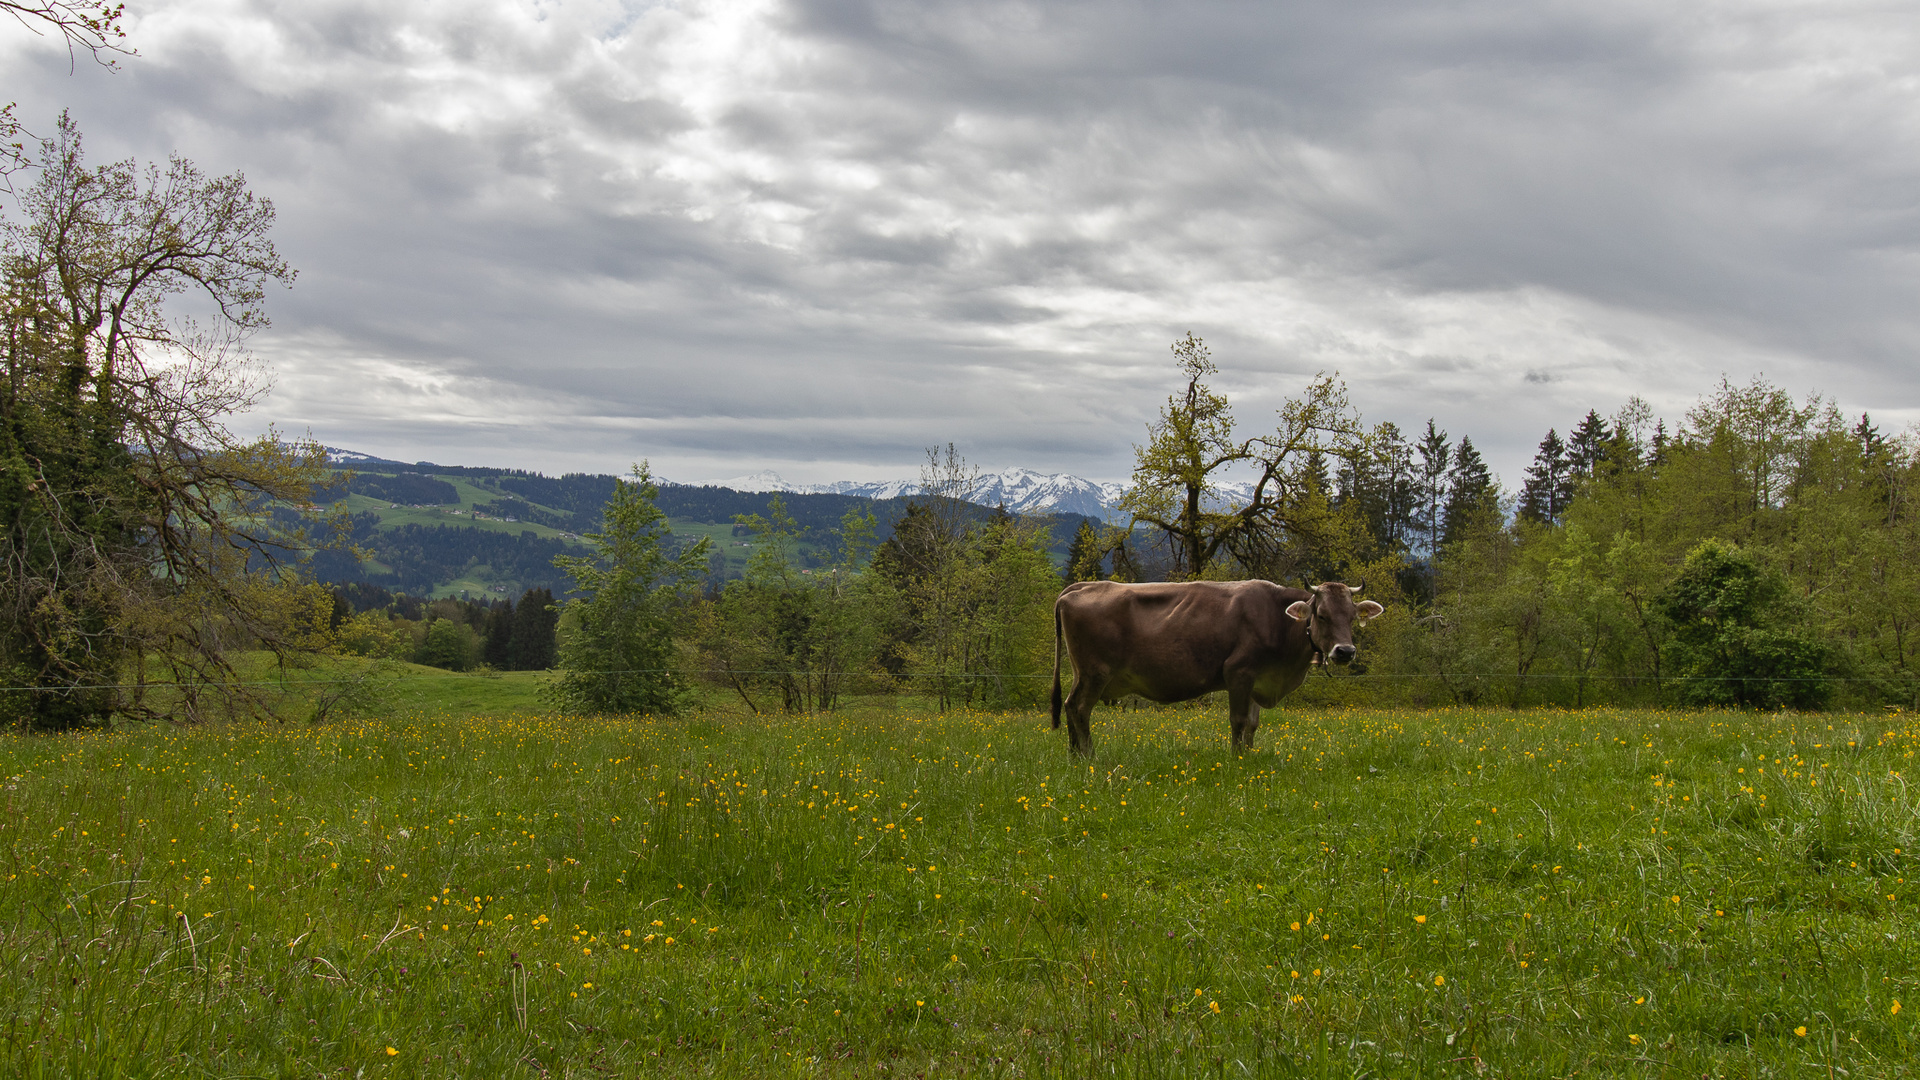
1192	449
135	526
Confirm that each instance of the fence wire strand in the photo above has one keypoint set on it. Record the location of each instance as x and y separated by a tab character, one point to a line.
1065	675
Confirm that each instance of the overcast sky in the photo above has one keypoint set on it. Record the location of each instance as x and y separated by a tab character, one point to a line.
820	236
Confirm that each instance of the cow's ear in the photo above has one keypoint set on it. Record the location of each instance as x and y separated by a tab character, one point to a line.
1299	610
1369	610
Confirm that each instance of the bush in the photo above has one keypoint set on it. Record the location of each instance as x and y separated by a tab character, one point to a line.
1738	637
375	634
449	645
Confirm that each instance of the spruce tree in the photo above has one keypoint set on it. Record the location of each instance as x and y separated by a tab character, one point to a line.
1873	445
532	647
620	651
1545	494
1084	555
1380	484
1587	447
1435	458
1469	489
497	652
1314	477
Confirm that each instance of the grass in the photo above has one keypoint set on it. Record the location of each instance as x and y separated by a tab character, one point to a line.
392	517
734	550
1391	893
480	585
421	690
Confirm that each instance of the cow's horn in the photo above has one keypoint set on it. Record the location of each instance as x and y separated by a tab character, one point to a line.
1359	587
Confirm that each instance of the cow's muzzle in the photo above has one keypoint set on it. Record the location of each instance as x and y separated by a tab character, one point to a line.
1342	654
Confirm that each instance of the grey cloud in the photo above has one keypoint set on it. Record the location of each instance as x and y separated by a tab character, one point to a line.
824	234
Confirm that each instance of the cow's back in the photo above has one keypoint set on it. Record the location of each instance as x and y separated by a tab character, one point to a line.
1170	640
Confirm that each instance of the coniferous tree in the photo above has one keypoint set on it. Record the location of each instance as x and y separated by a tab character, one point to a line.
1379	483
1314	477
1084	555
1548	488
532	646
1469	489
1436	456
1873	445
497	651
1587	446
620	646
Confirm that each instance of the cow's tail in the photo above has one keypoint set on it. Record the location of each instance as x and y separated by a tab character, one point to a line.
1056	665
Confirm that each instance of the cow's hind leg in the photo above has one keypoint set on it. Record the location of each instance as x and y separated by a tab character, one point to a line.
1079	709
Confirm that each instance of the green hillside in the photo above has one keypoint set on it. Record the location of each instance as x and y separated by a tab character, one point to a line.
454	531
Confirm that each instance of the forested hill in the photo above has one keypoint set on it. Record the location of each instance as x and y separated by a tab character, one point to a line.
581	495
433	530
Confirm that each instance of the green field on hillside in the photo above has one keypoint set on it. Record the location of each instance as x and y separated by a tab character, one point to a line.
736	550
885	893
479	584
393	517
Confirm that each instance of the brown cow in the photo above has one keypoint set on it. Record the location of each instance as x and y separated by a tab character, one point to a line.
1173	641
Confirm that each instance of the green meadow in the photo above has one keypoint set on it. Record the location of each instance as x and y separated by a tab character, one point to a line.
895	893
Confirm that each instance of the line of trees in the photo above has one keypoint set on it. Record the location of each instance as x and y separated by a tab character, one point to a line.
459	635
1761	554
953	603
1764	553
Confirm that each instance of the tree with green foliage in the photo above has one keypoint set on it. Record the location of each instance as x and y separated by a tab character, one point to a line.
1436	459
974	597
496	650
1737	638
1084	555
618	656
136	530
1099	552
1549	484
1588	448
449	644
1192	448
1471	492
1378	483
533	645
801	637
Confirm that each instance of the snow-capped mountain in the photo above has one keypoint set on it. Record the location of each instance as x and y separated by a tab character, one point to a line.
337	456
1024	491
1021	491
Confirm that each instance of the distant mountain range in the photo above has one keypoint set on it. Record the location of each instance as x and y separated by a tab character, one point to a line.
1021	491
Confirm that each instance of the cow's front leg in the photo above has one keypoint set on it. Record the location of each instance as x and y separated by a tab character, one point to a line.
1245	716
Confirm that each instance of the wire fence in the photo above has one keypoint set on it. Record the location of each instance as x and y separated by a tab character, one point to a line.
1065	676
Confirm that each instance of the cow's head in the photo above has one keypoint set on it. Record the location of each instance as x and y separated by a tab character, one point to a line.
1330	615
